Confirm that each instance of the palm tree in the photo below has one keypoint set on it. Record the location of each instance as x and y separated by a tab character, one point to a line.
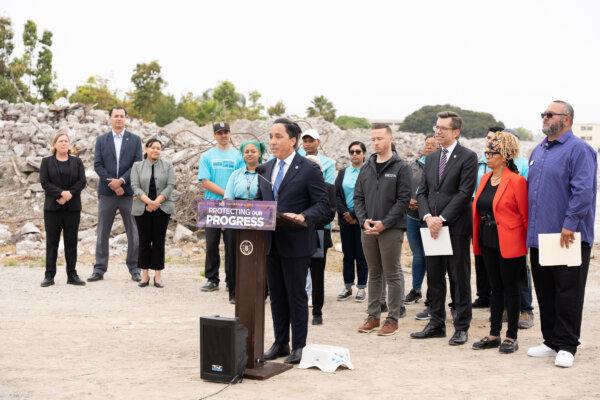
321	107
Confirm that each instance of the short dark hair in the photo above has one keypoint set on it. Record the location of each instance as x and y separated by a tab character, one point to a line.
495	129
382	126
430	136
568	108
359	143
291	128
456	122
117	108
150	142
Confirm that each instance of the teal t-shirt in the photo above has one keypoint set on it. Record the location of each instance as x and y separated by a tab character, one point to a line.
217	166
348	185
242	184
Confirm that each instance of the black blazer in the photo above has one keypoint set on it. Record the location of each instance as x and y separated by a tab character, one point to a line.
50	180
301	191
451	195
341	198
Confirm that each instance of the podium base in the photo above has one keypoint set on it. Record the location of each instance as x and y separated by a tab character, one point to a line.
266	370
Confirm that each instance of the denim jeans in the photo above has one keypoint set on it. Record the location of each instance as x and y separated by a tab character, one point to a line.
526	297
416	246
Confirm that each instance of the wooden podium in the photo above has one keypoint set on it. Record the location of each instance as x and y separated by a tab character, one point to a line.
251	267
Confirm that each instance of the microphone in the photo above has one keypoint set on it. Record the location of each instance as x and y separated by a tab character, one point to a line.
261	169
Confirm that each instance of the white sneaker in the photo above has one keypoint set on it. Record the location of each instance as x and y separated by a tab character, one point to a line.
541	351
564	359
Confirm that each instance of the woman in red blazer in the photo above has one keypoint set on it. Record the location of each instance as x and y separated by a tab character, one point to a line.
499	235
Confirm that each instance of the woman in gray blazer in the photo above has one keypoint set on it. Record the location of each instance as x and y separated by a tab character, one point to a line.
152	181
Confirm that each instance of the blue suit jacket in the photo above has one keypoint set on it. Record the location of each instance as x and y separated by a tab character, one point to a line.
302	190
105	160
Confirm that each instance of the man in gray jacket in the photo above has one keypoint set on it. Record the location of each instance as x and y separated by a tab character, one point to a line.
381	196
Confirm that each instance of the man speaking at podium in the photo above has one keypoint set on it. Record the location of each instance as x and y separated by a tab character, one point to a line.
298	187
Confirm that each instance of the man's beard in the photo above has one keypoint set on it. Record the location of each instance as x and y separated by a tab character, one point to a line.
553	129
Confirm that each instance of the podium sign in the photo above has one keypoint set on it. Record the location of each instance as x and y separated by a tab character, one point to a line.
250	220
237	214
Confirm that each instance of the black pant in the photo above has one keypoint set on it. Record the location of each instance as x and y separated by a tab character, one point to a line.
66	222
289	303
458	266
353	253
317	274
481	279
213	259
560	291
505	280
152	230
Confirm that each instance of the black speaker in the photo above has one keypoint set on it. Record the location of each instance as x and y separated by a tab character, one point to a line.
222	349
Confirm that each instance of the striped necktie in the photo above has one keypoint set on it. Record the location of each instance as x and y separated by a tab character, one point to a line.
443	162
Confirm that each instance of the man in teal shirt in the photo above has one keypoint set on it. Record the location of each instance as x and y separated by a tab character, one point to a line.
214	169
310	146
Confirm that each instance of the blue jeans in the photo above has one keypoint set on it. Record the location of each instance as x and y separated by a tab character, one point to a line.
353	252
413	233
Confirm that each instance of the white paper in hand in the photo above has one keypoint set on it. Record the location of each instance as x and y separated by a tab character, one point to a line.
437	247
551	254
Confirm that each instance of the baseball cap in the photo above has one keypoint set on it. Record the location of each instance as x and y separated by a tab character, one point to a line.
310	132
221	126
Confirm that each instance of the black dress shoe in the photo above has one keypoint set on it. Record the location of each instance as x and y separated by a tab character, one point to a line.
136	277
95	277
486	343
459	337
75	280
509	346
47	282
429	331
294	358
158	284
480	303
276	351
144	284
317	320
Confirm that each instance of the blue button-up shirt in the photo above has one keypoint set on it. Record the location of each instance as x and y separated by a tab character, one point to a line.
562	188
118	139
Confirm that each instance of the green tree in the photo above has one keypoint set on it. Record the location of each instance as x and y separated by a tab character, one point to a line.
11	70
276	110
189	107
164	110
148	83
475	124
44	76
348	122
95	91
255	109
30	42
321	107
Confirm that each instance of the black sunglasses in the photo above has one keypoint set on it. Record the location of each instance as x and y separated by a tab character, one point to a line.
490	154
355	151
549	114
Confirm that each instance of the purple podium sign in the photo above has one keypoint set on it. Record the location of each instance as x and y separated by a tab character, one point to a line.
237	214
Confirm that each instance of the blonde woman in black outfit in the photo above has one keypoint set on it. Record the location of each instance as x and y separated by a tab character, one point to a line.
63	178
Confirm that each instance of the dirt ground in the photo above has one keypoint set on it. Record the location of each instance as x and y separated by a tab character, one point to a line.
113	340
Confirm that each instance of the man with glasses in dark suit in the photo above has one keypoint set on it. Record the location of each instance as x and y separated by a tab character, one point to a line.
444	198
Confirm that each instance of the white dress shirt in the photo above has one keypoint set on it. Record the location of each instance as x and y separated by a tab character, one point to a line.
288	162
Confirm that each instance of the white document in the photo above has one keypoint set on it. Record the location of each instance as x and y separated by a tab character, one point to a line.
552	254
437	247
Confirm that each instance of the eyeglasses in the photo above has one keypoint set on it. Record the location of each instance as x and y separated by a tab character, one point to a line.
442	128
355	152
549	114
490	154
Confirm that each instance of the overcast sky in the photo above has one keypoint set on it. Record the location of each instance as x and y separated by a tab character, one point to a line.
375	59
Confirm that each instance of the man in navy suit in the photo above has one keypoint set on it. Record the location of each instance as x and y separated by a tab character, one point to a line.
299	189
114	155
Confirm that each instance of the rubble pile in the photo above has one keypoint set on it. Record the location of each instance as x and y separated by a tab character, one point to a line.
26	132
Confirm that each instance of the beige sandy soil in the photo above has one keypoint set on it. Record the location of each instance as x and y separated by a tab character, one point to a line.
113	340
